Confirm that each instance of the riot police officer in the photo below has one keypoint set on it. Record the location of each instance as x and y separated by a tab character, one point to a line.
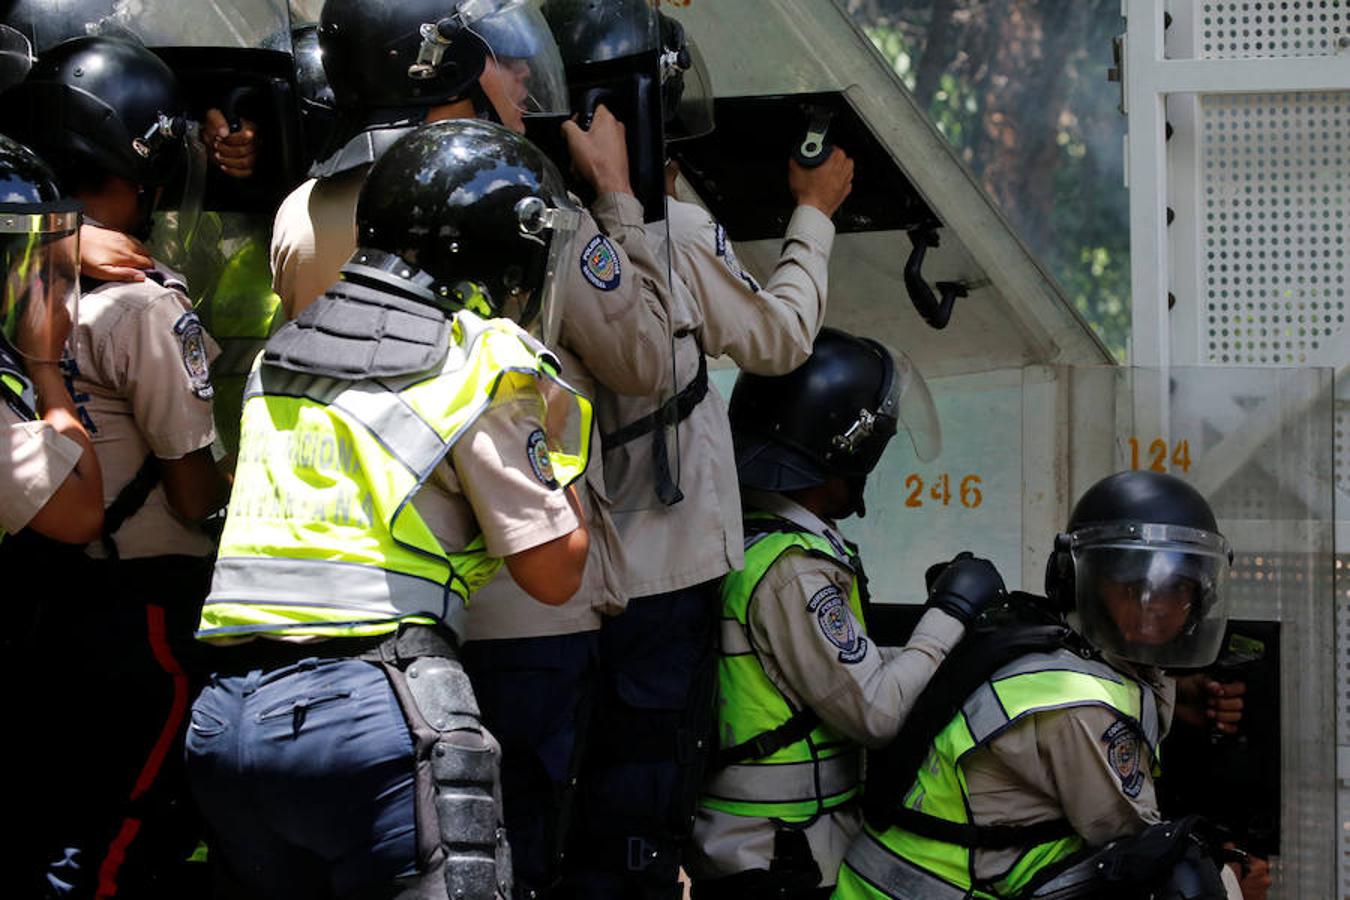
1055	750
107	114
52	482
401	440
51	487
802	686
669	466
391	67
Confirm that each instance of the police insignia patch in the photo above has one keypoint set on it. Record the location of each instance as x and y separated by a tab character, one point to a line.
1124	756
832	616
600	264
728	255
192	346
536	450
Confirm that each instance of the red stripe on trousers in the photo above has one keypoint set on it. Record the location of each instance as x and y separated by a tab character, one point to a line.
117	851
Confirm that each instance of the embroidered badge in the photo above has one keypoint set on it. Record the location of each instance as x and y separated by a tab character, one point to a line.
600	264
536	449
832	615
728	255
1124	756
192	345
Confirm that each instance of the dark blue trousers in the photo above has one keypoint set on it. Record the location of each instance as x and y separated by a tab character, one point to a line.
305	774
535	695
646	756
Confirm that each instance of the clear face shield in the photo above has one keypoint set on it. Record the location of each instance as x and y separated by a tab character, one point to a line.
906	405
524	75
541	311
40	252
16	57
687	93
1152	594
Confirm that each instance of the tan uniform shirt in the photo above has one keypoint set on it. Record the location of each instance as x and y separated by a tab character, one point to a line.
313	235
141	385
35	460
1076	763
866	700
503	610
488	486
720	308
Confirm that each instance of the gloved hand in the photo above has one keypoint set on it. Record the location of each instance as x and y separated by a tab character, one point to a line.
964	587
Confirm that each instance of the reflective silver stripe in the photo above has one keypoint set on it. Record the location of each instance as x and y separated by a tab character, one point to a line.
1148	716
366	591
985	716
984	712
407	436
735	642
785	782
895	877
237	355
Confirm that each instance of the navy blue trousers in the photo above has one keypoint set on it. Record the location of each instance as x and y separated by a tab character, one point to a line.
535	696
305	774
645	760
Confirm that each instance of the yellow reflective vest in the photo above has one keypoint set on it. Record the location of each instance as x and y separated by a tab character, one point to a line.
901	864
321	537
807	776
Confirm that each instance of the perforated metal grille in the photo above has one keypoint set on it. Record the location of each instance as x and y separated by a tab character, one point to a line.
1272	28
1276	194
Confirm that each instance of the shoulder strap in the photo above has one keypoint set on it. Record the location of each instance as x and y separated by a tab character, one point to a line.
1019	628
767	743
130	499
983	837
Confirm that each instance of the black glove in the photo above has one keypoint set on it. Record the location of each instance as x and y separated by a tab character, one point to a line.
964	587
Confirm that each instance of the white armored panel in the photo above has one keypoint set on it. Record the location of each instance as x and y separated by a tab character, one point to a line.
1253	174
1276	195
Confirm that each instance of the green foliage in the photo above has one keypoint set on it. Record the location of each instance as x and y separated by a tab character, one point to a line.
1081	233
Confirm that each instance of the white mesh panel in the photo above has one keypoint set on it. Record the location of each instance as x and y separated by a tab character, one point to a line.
1276	194
1271	28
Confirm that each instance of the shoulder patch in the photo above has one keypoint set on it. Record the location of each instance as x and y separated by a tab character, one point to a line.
192	346
832	616
536	450
728	255
1124	754
600	264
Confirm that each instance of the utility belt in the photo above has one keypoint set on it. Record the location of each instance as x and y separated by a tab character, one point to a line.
408	643
671	413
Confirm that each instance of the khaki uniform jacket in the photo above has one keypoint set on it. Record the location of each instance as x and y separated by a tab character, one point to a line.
501	609
1074	764
867	700
141	385
719	309
35	460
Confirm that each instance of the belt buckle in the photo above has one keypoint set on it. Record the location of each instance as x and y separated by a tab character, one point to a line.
640	854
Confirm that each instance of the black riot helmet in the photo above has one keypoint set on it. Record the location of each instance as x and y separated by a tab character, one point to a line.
468	215
318	106
1145	566
832	416
98	106
39	255
388	63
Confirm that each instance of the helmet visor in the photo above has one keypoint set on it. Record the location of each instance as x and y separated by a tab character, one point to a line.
910	402
1152	594
541	310
688	88
16	57
526	69
41	291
